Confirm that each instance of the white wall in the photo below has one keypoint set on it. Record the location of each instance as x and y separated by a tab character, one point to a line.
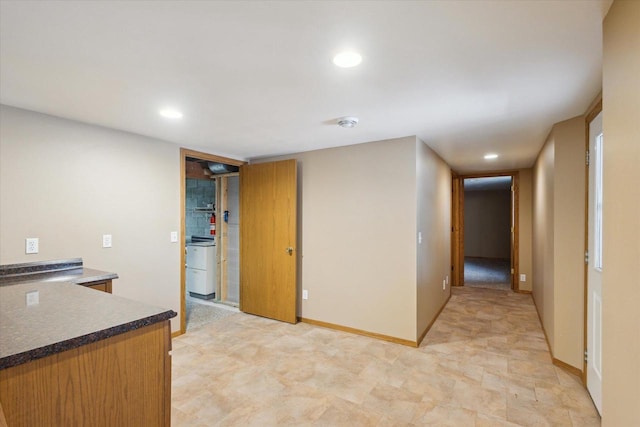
69	183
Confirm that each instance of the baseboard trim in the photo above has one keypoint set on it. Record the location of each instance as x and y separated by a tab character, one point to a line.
524	291
176	334
557	362
544	331
358	332
569	368
424	333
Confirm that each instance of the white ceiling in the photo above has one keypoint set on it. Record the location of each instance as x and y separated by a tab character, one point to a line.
256	78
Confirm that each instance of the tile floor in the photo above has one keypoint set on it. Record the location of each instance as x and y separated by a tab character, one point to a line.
484	363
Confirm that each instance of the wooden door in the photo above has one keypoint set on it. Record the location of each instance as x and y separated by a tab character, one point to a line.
268	239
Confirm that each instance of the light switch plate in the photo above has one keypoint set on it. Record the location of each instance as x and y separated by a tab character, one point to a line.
174	236
305	294
106	240
523	277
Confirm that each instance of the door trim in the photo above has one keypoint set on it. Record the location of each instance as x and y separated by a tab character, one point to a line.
592	114
457	272
459	217
184	153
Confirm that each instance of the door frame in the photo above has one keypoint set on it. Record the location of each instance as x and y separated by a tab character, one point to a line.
184	153
458	225
592	114
457	245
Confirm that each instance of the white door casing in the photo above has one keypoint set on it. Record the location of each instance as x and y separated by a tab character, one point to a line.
595	266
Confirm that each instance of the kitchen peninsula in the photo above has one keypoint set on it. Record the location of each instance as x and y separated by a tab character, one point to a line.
72	356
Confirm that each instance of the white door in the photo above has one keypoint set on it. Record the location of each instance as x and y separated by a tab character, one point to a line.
594	274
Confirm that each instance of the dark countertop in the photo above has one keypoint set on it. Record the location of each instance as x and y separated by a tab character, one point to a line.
67	316
68	270
77	276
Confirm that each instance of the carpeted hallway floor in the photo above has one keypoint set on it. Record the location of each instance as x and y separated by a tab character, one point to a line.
484	363
487	273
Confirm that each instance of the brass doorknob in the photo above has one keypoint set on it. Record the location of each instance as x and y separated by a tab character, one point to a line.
289	250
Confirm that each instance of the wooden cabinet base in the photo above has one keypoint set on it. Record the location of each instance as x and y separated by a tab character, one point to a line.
104	286
124	380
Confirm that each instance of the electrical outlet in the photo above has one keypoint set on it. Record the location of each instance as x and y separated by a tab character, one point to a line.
305	294
523	277
31	245
444	285
33	298
174	236
106	240
419	237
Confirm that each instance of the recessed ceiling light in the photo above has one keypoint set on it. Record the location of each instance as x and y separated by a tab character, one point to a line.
490	156
347	59
170	113
347	122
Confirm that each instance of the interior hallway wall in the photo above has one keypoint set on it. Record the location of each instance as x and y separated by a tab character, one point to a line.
543	259
525	226
559	184
68	183
487	224
433	186
358	223
621	214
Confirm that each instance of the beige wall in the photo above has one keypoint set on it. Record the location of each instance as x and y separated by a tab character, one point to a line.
487	224
358	236
558	288
434	222
360	211
621	213
543	259
69	183
525	225
569	228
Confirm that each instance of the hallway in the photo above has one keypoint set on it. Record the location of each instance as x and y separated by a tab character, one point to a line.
484	363
487	273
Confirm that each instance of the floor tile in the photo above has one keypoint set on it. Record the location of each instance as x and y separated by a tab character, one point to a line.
483	363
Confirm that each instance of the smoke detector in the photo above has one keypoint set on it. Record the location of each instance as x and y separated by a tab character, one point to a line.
347	122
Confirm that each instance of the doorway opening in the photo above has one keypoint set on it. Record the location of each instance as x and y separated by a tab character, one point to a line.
210	229
485	231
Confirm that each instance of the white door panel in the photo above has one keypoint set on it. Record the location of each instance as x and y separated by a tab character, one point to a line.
595	267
